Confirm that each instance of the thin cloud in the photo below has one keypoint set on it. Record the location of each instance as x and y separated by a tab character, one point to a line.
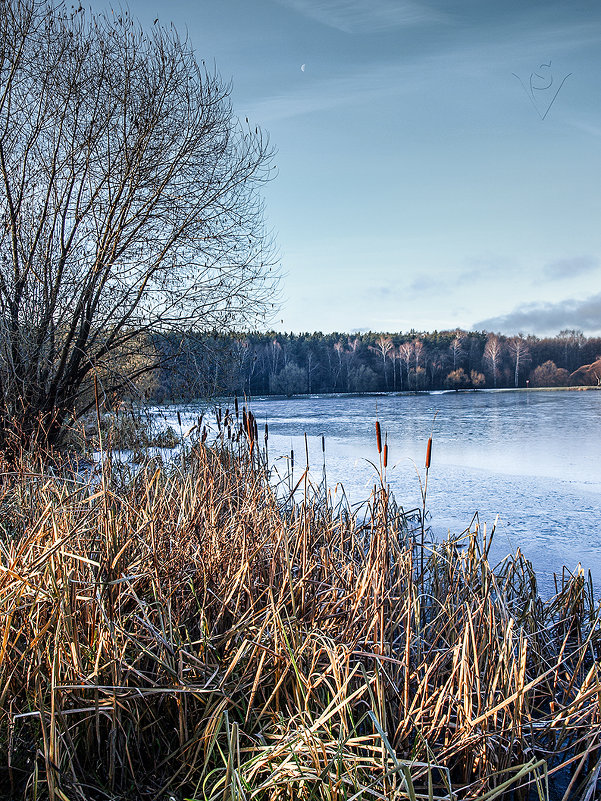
437	284
352	89
471	277
371	16
569	268
406	75
594	129
422	284
548	318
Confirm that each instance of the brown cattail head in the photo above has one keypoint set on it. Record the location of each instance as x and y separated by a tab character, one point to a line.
204	434
429	453
236	405
250	426
378	437
323	443
386	452
179	419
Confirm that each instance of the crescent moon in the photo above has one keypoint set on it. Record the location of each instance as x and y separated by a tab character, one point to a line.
303	67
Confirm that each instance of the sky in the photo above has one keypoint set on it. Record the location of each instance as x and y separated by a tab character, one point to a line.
438	163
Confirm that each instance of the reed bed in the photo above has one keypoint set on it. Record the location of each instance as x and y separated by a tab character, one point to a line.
191	633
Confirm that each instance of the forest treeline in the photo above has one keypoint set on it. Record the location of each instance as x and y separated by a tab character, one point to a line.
292	364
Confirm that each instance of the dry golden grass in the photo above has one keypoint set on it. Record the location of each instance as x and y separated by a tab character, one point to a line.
190	635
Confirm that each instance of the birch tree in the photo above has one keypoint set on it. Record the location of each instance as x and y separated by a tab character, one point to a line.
493	351
383	346
520	353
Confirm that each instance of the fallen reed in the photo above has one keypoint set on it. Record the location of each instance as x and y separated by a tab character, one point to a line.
191	633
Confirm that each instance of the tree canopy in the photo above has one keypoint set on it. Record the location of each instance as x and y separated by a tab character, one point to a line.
263	363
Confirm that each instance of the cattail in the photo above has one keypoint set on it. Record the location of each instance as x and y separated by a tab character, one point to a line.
179	419
236	406
429	453
323	443
255	428
378	437
266	433
204	434
386	451
292	459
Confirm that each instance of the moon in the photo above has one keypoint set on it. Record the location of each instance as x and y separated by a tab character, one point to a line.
303	67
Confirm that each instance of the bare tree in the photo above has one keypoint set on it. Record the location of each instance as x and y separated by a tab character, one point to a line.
248	357
129	207
339	349
274	350
572	341
353	349
418	353
493	351
406	355
383	346
393	357
549	375
456	348
518	348
311	368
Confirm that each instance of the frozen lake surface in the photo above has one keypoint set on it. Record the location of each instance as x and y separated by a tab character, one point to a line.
532	458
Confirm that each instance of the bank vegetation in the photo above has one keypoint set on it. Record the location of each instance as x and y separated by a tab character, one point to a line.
200	631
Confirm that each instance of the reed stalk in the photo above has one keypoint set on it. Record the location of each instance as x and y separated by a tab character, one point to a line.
190	634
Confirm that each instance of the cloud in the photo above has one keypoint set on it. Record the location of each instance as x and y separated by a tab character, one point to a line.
468	278
365	16
568	268
408	74
422	284
354	88
592	128
437	284
548	318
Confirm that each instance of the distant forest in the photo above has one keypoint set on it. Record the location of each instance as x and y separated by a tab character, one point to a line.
294	364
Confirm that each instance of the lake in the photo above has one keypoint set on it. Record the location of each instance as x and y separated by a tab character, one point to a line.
531	458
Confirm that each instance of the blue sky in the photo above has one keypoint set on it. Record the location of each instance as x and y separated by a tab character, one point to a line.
439	164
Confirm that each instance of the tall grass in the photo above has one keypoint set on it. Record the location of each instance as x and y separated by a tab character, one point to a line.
192	634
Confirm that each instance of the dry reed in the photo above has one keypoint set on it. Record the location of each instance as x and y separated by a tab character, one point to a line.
190	635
